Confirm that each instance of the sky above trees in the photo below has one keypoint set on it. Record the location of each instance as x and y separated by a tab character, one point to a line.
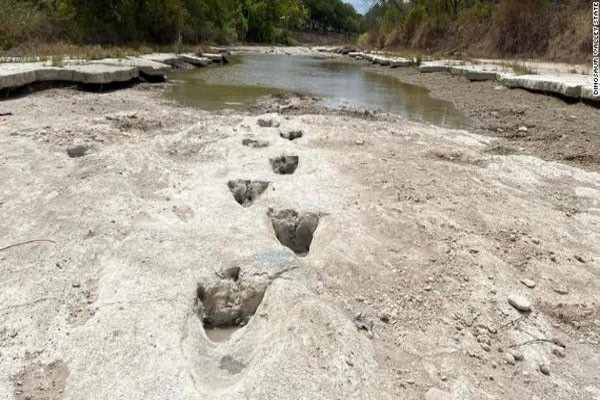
362	6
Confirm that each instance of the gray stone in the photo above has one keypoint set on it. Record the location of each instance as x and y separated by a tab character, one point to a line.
79	151
519	302
144	66
17	75
509	358
164	58
217	58
194	60
400	62
528	282
564	85
428	67
561	290
544	369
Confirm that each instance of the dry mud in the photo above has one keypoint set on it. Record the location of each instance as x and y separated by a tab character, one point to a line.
419	238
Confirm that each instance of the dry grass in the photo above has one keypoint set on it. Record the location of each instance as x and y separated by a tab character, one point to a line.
62	50
518	68
556	31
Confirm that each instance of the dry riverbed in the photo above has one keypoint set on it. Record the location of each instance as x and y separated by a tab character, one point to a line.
389	260
524	122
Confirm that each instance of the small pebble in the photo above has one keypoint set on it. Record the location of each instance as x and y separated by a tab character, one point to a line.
519	302
561	290
544	369
528	282
509	358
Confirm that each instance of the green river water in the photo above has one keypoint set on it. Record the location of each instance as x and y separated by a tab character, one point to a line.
339	84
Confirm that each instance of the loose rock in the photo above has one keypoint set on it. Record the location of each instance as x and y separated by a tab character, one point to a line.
528	282
79	151
519	302
545	369
561	290
509	358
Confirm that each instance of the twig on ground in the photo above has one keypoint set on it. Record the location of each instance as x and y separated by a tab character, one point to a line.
512	322
534	341
5	114
28	242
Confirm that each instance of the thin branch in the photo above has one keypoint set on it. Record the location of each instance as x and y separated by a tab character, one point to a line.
512	322
28	242
534	341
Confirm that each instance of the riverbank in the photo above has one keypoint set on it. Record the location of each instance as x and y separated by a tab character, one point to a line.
546	125
524	122
419	240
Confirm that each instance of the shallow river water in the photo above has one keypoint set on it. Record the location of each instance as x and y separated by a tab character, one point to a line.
248	77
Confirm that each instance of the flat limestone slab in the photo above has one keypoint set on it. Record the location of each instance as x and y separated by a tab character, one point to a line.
147	67
16	75
400	63
475	74
218	58
587	92
565	85
102	74
195	60
432	66
12	76
381	60
164	58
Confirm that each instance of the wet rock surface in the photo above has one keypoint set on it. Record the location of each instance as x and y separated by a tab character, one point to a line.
285	165
294	230
291	135
255	144
245	192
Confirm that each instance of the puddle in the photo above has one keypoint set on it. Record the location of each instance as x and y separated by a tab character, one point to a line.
220	335
249	77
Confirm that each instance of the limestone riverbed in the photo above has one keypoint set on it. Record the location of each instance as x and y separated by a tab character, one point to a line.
372	257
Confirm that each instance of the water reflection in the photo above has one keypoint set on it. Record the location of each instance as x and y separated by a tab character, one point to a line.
339	84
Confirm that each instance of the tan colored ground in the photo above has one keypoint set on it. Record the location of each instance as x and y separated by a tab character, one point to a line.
423	236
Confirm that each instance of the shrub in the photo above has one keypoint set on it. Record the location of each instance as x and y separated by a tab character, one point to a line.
21	22
520	28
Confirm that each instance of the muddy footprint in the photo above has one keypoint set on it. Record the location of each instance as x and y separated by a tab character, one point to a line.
255	144
245	191
291	135
294	230
227	305
285	165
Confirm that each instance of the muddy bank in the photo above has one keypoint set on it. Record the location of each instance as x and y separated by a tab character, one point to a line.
556	130
389	260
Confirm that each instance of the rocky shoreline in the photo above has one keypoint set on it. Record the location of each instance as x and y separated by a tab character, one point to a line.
154	67
539	77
